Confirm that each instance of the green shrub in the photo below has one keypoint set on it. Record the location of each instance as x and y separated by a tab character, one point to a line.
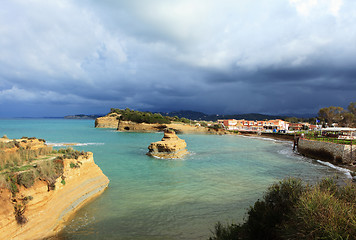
140	117
203	124
12	180
268	213
321	215
27	179
292	210
228	232
19	211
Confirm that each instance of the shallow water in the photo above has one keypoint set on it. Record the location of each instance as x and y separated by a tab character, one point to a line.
150	198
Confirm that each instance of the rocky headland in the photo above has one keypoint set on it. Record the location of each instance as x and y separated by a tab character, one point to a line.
38	195
170	147
112	120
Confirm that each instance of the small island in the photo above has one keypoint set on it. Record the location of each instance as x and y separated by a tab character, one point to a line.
170	147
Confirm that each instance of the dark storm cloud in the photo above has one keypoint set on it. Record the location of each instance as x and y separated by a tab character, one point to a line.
65	57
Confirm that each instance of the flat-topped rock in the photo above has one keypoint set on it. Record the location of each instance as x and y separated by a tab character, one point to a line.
170	147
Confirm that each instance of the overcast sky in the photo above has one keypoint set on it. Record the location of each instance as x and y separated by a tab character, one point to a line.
64	57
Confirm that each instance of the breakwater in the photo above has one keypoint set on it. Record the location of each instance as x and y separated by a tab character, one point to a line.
327	151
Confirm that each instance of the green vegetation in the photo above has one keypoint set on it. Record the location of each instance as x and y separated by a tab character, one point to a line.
298	120
144	117
203	124
20	155
344	118
216	126
140	117
21	166
70	153
333	140
293	210
27	179
74	165
19	211
24	161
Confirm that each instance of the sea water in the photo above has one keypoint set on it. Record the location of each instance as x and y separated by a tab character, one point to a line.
150	198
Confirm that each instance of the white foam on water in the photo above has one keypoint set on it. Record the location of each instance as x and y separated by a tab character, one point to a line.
72	144
344	170
266	139
80	222
288	152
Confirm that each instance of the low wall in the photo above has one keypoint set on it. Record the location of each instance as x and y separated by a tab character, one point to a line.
331	152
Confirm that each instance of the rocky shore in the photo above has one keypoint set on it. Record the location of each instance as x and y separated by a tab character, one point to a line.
170	147
112	121
39	211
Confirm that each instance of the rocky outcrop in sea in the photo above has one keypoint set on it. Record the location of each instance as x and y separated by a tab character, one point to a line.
170	147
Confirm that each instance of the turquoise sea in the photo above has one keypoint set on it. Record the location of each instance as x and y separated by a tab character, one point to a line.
150	198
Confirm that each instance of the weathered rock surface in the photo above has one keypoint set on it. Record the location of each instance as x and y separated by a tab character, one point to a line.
171	146
108	121
111	121
128	126
47	210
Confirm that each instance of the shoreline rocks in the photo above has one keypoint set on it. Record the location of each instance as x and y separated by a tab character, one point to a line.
170	147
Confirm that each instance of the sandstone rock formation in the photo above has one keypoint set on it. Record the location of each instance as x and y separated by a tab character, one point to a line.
42	210
109	121
112	121
169	147
128	126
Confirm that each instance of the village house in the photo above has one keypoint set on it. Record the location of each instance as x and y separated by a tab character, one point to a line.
275	125
254	126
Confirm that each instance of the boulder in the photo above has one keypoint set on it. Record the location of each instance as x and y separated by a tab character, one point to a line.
170	147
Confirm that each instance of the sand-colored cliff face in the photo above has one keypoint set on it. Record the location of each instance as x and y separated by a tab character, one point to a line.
111	121
108	121
181	128
128	126
47	210
169	147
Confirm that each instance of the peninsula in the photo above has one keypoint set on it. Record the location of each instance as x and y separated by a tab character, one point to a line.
135	121
41	187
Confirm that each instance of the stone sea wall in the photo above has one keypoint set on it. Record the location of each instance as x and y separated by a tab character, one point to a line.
48	210
331	152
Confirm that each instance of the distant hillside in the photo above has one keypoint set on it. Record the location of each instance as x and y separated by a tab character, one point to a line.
202	116
83	116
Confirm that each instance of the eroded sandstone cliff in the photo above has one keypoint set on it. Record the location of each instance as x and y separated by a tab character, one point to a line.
112	121
109	121
40	210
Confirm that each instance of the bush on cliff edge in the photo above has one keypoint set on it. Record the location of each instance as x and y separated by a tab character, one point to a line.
293	210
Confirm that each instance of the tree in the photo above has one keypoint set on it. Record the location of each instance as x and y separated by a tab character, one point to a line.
331	114
352	108
347	119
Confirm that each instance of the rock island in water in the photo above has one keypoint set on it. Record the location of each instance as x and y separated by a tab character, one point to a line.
170	147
